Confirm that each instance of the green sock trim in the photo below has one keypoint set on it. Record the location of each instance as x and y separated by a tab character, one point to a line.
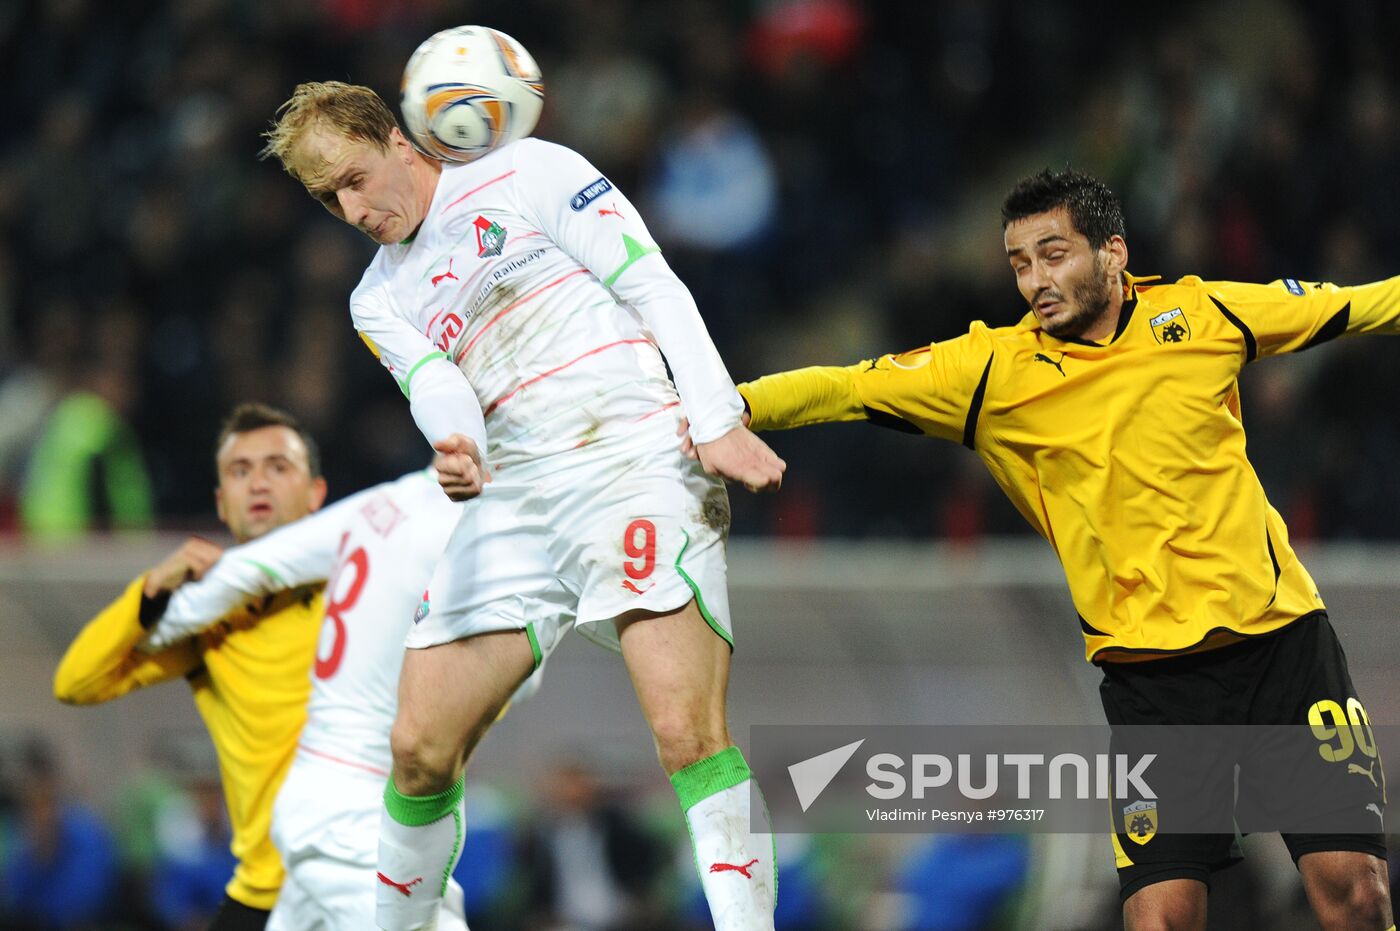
414	811
712	775
457	848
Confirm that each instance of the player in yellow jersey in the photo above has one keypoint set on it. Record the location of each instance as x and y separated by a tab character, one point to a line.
250	673
1110	416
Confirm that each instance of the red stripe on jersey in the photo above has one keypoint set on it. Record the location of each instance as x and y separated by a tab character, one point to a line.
372	770
665	407
479	187
558	368
511	306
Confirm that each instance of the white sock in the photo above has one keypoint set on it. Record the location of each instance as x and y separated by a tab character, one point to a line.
737	868
420	841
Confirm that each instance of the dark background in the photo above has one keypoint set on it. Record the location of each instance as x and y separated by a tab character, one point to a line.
825	177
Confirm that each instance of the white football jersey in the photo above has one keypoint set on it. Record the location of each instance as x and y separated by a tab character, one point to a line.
536	278
376	550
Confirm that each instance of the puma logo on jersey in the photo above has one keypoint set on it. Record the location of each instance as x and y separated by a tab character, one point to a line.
1367	771
438	279
1372	806
611	212
405	888
1042	357
631	587
730	867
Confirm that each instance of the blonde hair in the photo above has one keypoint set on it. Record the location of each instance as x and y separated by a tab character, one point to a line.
349	110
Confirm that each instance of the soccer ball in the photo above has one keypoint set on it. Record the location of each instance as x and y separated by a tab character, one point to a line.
469	90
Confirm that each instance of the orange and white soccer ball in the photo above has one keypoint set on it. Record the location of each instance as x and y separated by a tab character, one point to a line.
468	90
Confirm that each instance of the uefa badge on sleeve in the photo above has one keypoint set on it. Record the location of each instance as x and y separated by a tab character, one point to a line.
1171	326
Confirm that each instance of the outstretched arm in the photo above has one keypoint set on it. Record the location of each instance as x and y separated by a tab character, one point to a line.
928	390
596	224
1290	315
102	662
301	553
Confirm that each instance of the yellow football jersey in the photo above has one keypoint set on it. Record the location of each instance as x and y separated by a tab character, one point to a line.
251	676
1127	455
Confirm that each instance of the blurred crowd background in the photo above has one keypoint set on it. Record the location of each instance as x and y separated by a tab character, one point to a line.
826	177
824	174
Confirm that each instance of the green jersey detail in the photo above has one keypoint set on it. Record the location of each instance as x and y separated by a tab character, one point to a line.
635	251
408	379
265	570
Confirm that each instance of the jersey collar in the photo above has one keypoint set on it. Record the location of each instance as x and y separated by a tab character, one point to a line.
1130	289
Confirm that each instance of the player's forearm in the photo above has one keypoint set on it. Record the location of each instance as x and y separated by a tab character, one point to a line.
442	403
707	392
1375	307
301	553
102	663
820	394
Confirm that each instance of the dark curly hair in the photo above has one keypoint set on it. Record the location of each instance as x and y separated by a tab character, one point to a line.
1093	208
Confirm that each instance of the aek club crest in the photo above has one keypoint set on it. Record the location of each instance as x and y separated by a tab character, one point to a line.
1140	822
1171	326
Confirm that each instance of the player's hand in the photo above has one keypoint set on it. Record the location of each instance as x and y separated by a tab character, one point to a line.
188	563
460	470
739	456
688	444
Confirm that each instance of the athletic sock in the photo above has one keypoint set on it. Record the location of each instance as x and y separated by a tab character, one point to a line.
420	841
737	868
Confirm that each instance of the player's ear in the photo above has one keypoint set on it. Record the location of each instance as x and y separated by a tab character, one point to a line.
1115	256
317	494
219	504
400	145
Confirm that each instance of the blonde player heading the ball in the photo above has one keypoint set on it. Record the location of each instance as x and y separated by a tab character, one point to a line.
523	308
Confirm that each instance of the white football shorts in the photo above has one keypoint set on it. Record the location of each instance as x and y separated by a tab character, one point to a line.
325	824
595	536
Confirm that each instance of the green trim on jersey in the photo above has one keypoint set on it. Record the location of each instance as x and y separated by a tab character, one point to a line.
534	644
710	776
408	379
415	811
266	571
700	599
635	251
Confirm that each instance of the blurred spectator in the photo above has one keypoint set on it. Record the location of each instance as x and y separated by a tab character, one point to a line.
87	471
187	884
60	867
590	864
714	188
490	857
961	882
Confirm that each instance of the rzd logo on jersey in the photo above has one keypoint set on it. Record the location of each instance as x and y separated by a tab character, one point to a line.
490	237
1171	326
1140	822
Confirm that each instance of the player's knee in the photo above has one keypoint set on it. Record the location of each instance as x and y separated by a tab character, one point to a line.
1360	901
681	743
422	765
